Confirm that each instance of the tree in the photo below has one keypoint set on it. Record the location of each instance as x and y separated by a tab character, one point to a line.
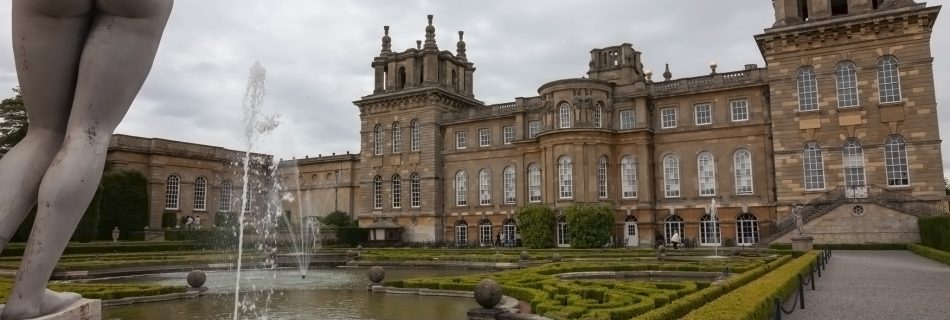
124	203
339	219
13	122
536	225
589	226
946	183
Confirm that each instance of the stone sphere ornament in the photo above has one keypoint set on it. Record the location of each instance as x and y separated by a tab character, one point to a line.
196	278
488	293
525	256
556	257
377	274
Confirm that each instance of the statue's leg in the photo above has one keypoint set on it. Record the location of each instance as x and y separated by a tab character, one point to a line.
118	55
48	37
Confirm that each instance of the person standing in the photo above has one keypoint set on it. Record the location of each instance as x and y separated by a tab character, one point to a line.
675	239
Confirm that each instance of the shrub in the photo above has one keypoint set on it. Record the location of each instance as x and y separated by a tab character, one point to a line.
589	226
935	232
352	236
124	203
934	254
89	223
225	219
214	238
169	219
536	226
338	219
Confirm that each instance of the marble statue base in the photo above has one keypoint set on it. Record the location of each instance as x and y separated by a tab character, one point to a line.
85	309
802	243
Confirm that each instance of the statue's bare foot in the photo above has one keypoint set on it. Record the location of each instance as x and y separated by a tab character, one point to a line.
52	302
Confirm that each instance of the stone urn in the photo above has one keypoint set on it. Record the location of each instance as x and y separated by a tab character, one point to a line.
488	293
376	274
196	278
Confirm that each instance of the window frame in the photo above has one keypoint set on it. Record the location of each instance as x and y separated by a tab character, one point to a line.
508	185
395	193
224	196
565	117
415	191
200	194
743	105
627	119
377	140
534	183
628	173
884	73
812	150
668	119
396	135
173	192
378	193
484	187
852	157
415	136
602	174
846	85
565	177
461	140
742	173
484	137
703	112
508	134
807	84
671	176
747	229
706	174
893	171
461	189
534	128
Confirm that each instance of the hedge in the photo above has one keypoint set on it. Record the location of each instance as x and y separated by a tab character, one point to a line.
935	232
536	226
934	254
845	246
589	226
214	238
100	290
109	247
754	301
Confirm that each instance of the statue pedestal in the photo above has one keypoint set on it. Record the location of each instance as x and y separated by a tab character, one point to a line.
85	309
484	314
802	243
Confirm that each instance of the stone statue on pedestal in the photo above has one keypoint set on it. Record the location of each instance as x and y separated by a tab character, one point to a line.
799	223
80	64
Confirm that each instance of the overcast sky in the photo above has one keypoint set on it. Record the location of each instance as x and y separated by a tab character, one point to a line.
318	53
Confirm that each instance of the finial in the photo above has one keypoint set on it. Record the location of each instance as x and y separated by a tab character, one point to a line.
666	74
649	75
712	66
430	35
419	44
387	42
430	19
385	30
460	46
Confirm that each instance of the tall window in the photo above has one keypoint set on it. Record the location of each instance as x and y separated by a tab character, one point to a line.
508	134
534	127
847	81
248	199
484	137
461	232
510	232
415	135
562	234
709	231
743	165
628	170
703	113
707	174
461	191
668	118
415	190
596	116
888	79
484	187
852	157
566	177
747	230
377	140
807	89
895	161
460	140
673	224
397	137
378	192
565	113
396	192
224	199
172	188
484	232
534	183
740	109
201	194
509	185
602	177
814	167
626	119
671	175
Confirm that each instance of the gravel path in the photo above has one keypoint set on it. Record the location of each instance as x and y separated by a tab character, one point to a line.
872	285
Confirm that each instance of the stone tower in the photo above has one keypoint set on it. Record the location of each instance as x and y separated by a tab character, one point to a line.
852	99
400	174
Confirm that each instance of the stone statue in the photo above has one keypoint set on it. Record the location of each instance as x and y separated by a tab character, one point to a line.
799	224
80	64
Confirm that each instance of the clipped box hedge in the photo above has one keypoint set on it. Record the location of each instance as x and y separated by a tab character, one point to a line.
935	232
934	254
845	246
16	250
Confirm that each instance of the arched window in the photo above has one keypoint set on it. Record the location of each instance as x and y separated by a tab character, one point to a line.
602	177
895	161
709	231
415	190
807	89
562	234
671	175
673	224
888	80
415	135
509	232
172	188
747	230
397	137
461	191
852	158
628	170
396	192
248	198
224	199
847	81
484	232
743	165
484	187
378	192
565	115
566	177
814	167
534	183
201	194
377	140
461	232
707	174
509	185
596	116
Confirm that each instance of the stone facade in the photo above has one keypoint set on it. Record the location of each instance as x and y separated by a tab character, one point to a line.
860	223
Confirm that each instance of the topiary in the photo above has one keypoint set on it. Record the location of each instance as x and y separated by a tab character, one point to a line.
589	226
536	226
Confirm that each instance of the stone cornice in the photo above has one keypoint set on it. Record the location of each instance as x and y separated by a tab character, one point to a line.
412	98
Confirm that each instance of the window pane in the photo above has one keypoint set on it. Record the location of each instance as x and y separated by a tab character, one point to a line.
847	81
707	174
461	193
484	187
671	175
814	167
566	173
668	118
565	116
509	185
852	158
396	192
534	183
740	110
509	134
415	136
397	138
888	78
626	119
629	175
895	161
743	166
807	89
703	114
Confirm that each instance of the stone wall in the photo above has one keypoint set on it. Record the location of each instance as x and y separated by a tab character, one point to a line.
877	225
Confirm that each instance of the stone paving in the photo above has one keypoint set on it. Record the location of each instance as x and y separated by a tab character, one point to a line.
872	285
